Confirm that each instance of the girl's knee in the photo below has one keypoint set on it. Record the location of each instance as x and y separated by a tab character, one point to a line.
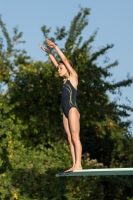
75	138
69	139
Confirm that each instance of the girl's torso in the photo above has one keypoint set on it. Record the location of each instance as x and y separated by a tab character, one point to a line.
69	94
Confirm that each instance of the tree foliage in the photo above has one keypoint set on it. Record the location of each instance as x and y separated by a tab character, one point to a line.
33	144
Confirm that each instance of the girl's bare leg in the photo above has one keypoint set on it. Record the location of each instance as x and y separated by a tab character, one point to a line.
67	130
74	125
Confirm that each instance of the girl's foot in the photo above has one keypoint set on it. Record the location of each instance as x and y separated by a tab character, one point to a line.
74	168
68	170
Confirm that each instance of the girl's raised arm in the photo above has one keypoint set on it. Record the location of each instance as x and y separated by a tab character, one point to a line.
52	58
62	56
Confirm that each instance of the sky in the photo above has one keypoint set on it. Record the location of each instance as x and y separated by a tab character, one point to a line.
113	19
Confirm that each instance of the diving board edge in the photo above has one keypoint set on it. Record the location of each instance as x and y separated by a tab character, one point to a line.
98	172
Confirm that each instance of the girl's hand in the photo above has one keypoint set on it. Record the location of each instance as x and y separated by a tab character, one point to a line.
50	44
44	49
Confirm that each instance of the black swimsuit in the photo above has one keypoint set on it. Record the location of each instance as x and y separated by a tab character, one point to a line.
69	94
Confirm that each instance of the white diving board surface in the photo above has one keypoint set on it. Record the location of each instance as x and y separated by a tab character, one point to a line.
98	172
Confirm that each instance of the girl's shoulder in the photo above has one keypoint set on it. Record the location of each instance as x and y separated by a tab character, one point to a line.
74	81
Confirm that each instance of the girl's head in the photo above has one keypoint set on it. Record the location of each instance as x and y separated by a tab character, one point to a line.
62	70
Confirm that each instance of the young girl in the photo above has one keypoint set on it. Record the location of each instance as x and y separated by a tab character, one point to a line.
71	115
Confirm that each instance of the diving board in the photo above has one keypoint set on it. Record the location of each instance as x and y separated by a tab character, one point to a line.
98	172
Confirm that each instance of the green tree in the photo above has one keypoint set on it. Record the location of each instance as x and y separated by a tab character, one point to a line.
102	126
33	144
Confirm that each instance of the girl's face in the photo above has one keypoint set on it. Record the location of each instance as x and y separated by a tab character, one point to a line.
62	70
